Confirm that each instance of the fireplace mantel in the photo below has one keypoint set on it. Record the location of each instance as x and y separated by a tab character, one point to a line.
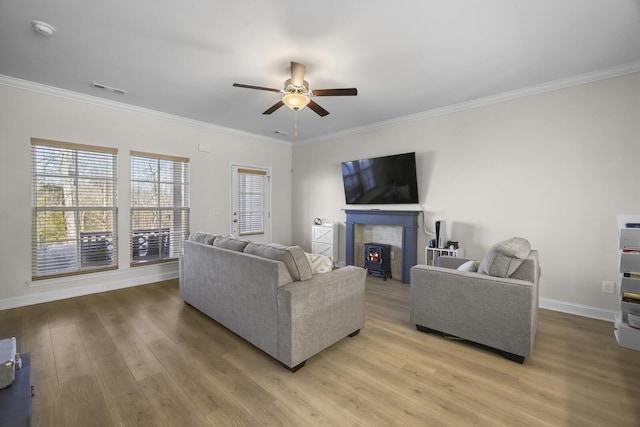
408	220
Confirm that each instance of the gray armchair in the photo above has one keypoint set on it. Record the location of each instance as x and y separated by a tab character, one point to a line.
496	312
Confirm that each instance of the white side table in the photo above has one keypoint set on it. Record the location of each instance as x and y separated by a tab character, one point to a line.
324	240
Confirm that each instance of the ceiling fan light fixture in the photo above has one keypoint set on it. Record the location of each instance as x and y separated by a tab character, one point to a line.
295	101
296	92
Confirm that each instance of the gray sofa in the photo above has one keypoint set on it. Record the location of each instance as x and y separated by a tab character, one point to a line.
268	295
496	312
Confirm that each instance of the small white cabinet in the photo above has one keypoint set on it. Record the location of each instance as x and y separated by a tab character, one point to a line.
432	254
629	244
324	240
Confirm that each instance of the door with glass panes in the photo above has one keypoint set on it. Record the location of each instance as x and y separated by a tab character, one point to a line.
251	203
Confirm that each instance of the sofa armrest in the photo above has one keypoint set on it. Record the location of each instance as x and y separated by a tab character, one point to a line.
314	314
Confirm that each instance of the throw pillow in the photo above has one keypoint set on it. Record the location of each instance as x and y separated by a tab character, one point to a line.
202	237
504	258
230	243
471	266
292	256
319	263
300	262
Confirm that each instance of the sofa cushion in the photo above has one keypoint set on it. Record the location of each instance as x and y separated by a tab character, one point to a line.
230	243
292	256
319	263
265	250
504	258
471	266
202	237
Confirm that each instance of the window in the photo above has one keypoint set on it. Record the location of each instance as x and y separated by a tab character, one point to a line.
159	207
251	202
74	209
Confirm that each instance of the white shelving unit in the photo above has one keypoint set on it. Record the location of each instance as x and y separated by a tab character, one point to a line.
628	237
432	254
324	240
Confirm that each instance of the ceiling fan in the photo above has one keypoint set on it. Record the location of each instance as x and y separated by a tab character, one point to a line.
297	93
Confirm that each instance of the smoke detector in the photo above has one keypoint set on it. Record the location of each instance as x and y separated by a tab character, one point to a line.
43	28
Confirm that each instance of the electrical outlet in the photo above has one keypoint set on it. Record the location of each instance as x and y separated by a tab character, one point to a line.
393	255
608	287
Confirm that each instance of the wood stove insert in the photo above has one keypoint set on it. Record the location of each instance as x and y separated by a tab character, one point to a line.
377	259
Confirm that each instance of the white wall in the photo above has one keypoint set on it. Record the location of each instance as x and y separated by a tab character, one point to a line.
28	113
554	168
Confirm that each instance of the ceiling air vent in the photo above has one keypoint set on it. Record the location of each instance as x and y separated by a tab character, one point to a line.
109	88
42	28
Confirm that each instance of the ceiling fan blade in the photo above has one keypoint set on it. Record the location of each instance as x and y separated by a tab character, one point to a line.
335	92
256	87
318	109
274	107
297	74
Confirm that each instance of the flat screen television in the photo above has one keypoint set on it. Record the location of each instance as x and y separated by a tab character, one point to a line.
381	180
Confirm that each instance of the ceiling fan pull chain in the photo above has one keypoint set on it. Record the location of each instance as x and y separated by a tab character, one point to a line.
295	123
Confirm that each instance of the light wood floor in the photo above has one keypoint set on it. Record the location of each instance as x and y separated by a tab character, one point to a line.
141	357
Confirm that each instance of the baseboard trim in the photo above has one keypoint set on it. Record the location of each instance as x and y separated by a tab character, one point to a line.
577	309
150	275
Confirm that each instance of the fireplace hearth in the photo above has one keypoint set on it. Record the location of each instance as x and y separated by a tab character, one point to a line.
377	259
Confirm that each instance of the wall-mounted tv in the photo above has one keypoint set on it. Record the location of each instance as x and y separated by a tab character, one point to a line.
381	180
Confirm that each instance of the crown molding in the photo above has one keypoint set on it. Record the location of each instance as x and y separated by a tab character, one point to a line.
121	106
578	80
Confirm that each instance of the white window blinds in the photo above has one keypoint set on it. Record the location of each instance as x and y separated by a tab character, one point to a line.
74	208
159	207
251	187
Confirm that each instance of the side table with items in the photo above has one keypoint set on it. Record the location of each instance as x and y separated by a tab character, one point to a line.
431	254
